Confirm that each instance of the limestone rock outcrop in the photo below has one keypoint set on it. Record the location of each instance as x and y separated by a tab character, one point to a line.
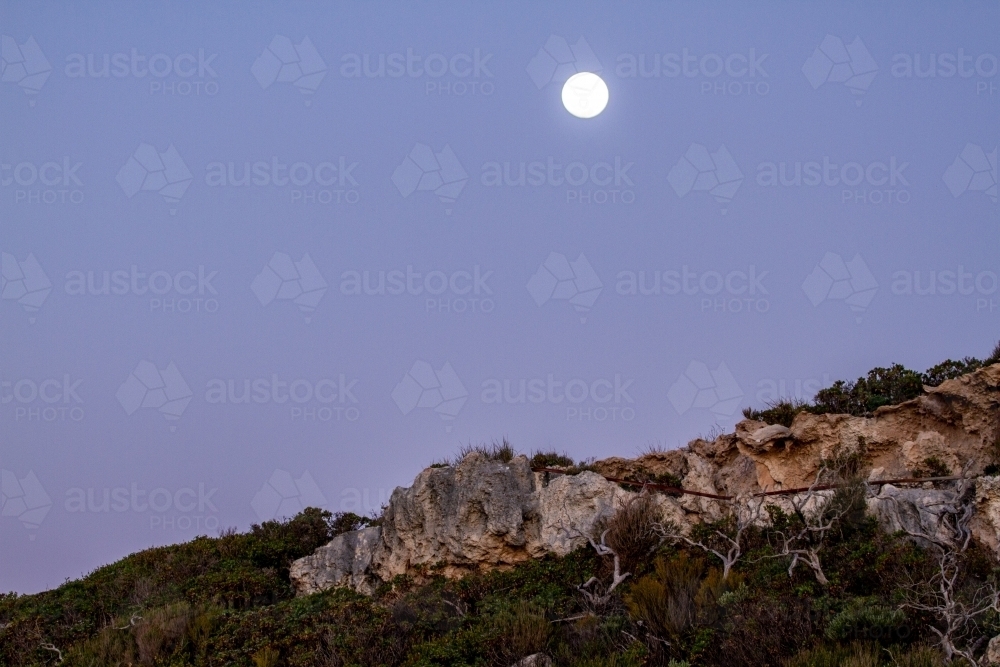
479	514
484	514
344	561
954	423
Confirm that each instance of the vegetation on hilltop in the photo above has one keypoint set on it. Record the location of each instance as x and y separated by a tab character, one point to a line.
862	397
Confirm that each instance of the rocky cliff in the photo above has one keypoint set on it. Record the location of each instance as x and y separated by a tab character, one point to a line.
482	513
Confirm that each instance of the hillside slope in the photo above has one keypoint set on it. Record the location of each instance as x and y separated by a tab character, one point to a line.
490	559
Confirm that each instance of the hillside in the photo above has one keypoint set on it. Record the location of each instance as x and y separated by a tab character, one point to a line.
860	529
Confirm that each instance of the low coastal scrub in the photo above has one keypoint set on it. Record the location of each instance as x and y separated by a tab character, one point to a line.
861	397
228	601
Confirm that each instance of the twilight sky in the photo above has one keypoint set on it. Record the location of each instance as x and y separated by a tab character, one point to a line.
259	257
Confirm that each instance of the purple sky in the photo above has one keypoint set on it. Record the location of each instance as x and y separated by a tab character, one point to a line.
258	257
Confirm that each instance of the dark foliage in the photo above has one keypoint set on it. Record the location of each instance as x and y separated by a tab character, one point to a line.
880	387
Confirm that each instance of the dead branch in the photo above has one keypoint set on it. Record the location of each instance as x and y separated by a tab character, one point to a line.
600	599
803	545
51	647
131	622
744	512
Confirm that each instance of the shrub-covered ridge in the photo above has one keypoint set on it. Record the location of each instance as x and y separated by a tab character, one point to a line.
813	581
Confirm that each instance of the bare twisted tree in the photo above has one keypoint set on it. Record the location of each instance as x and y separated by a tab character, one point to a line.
725	540
593	590
814	516
948	595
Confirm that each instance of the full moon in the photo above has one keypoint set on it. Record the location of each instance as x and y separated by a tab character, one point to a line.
585	95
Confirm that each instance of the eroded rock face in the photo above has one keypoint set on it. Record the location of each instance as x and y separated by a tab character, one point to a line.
955	422
986	521
914	511
345	561
479	514
993	651
483	514
568	508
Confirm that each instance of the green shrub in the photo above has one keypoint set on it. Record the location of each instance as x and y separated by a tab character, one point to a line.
764	629
866	655
345	522
994	356
949	369
882	386
679	595
865	619
521	629
777	412
551	459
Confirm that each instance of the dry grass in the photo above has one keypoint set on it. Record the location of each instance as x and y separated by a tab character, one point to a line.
630	530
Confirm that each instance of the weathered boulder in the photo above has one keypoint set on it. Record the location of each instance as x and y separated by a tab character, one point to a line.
673	462
477	514
534	660
993	651
914	511
345	561
568	508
